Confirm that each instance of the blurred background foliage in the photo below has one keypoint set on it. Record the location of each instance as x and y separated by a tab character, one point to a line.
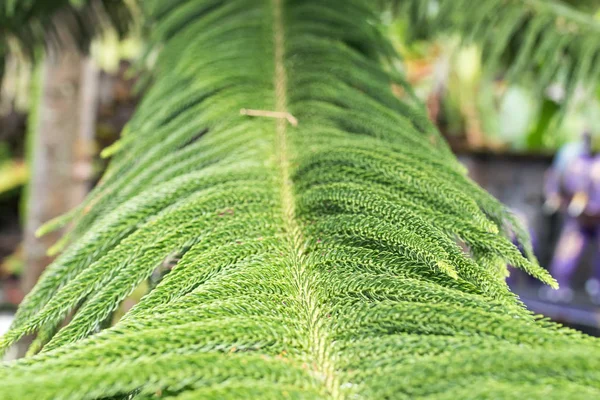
505	98
109	31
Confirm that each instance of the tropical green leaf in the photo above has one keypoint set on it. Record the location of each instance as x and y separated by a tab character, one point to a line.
315	236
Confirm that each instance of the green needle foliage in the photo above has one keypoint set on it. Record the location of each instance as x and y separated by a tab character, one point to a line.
556	41
336	250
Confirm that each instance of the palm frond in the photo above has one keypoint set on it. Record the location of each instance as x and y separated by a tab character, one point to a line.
309	248
556	41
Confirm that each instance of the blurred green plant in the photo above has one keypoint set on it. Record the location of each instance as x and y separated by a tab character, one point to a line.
517	75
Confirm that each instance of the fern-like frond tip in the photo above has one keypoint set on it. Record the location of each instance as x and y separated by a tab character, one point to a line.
447	269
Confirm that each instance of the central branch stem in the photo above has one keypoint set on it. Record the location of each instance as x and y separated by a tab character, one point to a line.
318	341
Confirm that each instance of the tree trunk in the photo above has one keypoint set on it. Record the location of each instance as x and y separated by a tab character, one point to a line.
61	148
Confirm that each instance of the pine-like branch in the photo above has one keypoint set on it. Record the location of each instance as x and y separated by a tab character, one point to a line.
311	260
